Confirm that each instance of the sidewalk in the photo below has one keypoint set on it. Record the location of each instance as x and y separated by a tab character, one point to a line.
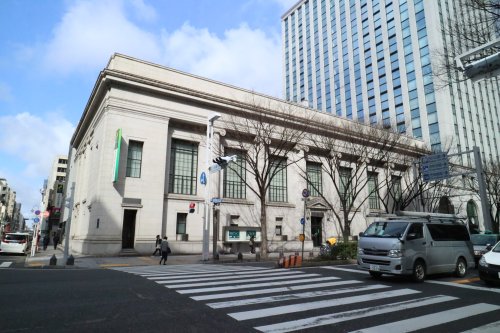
41	259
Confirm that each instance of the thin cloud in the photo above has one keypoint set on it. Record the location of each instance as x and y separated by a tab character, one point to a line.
5	92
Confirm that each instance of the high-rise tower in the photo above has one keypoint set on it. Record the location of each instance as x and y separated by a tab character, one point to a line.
376	61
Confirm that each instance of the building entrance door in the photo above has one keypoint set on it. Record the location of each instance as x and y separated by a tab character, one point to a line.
128	233
316	230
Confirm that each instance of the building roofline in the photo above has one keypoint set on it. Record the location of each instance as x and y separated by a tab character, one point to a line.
293	8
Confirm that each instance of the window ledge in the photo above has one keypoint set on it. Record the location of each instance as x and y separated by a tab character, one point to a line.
280	204
237	201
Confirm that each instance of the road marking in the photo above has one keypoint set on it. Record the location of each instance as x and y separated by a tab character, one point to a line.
300	307
114	265
353	314
474	279
158	276
217	283
489	328
274	290
345	269
466	286
421	322
254	285
217	278
296	296
5	264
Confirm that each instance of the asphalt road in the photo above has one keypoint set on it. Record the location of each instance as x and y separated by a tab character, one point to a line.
240	298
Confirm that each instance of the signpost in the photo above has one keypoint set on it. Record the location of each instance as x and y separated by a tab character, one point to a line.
305	195
435	167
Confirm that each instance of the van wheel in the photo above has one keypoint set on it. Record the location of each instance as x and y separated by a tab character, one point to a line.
419	271
375	275
461	268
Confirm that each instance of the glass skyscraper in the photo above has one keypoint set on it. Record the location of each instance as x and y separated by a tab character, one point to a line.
375	61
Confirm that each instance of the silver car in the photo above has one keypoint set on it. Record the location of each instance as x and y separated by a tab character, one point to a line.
415	247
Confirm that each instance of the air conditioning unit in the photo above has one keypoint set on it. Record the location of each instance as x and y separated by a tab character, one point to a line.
284	237
184	237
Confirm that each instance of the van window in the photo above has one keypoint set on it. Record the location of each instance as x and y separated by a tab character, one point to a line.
417	229
448	232
386	229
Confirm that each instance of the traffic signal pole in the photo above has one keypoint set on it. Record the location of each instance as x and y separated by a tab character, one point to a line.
206	209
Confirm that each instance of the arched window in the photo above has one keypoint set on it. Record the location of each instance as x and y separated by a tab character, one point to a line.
445	206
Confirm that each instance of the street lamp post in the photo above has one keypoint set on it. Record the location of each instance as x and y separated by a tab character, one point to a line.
206	209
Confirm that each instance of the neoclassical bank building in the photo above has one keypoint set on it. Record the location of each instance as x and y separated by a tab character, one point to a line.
141	165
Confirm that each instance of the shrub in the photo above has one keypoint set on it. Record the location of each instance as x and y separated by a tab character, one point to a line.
345	251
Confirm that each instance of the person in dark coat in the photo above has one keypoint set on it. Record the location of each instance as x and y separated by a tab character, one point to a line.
46	240
55	239
164	250
157	245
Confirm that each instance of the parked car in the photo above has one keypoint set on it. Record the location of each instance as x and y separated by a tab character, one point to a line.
482	244
15	242
489	265
416	246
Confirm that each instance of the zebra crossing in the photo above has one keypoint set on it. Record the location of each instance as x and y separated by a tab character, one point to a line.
5	264
267	298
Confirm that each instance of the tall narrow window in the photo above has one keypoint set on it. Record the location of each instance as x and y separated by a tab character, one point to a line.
134	159
278	188
183	167
396	189
373	191
235	177
314	179
345	185
181	223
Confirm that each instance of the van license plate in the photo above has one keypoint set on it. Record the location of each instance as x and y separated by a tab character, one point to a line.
376	268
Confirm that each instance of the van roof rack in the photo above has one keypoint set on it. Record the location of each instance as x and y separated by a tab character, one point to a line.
430	217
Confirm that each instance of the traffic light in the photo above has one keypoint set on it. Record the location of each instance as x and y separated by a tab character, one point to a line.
192	206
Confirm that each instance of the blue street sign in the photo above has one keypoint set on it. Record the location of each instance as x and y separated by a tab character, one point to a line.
36	220
302	221
305	193
216	201
203	178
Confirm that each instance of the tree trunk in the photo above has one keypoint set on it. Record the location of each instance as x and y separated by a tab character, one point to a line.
347	227
263	227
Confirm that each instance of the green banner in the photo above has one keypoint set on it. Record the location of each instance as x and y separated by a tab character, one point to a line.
118	144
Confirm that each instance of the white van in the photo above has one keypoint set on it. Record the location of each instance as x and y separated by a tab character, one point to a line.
15	242
416	246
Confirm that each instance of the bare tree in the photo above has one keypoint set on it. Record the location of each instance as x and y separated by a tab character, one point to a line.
492	181
472	23
266	140
352	155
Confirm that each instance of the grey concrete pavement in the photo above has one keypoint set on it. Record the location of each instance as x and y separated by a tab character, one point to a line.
42	259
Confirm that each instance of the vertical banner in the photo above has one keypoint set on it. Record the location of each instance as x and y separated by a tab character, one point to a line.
118	143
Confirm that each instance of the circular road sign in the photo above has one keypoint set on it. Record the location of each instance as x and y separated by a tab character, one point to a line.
36	220
37	212
305	193
302	221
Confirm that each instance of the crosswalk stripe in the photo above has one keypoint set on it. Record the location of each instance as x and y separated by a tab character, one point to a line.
254	285
217	283
345	269
186	269
218	278
5	264
433	319
202	270
300	307
338	317
158	276
274	290
296	296
489	328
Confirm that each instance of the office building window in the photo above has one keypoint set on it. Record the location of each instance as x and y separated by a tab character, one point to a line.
314	179
134	159
345	185
373	199
277	187
235	177
183	167
181	223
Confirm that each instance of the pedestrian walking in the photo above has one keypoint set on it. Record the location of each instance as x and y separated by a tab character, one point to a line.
252	244
46	240
164	250
157	245
55	239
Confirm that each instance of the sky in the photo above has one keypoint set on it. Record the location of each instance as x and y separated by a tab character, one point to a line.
52	51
